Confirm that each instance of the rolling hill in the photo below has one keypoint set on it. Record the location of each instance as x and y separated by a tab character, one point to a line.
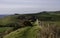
21	30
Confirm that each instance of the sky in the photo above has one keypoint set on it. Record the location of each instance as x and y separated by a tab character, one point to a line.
28	6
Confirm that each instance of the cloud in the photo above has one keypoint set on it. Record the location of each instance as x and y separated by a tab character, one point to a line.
28	6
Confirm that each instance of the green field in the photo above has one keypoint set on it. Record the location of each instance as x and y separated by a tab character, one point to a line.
2	29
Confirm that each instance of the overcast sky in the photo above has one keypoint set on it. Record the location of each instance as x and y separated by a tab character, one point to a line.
28	6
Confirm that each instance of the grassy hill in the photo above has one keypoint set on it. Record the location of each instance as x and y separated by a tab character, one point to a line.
2	29
44	16
26	32
48	20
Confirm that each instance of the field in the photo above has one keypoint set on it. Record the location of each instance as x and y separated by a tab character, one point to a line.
2	29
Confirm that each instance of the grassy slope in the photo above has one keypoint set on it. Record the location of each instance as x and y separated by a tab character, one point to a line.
2	29
12	18
26	32
8	19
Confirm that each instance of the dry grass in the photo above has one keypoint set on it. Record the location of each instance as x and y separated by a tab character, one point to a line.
50	30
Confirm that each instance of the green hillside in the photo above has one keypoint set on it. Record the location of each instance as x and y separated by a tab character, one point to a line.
8	19
26	32
43	16
2	29
24	26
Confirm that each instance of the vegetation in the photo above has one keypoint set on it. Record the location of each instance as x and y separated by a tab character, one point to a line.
26	32
39	25
2	29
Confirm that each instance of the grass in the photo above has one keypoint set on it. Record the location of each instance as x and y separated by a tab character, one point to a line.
49	22
8	19
26	32
31	32
2	29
